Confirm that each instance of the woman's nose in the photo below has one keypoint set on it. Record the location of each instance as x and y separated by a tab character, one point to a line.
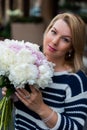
55	40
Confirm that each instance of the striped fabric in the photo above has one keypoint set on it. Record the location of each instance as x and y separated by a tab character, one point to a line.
67	96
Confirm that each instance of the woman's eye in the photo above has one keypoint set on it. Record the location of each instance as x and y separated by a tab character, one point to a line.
53	31
66	40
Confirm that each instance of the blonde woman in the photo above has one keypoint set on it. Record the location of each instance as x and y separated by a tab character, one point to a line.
63	105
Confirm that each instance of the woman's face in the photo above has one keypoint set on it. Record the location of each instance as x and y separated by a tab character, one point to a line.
57	42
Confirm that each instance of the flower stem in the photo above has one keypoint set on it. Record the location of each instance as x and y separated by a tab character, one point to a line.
6	107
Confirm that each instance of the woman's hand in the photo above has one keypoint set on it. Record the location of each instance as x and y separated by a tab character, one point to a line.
4	89
13	96
32	100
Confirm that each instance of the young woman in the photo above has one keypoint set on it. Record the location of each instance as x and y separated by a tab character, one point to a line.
63	105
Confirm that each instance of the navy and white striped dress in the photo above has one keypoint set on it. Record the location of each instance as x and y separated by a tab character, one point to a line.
67	96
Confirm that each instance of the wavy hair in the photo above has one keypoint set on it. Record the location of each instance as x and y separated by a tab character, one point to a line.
78	32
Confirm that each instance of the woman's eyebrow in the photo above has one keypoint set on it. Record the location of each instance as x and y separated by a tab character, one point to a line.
65	35
54	28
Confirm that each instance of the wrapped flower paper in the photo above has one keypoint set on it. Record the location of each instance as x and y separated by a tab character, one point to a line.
21	63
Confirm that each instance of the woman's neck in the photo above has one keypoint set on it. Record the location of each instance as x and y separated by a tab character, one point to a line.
62	68
60	65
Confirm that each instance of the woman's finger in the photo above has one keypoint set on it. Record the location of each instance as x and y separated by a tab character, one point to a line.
4	89
34	89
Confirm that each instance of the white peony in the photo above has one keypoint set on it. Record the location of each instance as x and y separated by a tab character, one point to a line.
25	56
7	57
22	74
22	62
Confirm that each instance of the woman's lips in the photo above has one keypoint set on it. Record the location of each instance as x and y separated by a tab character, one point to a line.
51	48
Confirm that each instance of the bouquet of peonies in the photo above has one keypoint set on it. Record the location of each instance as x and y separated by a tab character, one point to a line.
21	63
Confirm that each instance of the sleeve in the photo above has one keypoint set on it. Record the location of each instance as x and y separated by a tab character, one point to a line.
75	112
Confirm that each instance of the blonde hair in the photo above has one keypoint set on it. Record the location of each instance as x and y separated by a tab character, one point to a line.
78	32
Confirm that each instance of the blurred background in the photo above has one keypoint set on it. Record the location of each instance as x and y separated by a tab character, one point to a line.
27	19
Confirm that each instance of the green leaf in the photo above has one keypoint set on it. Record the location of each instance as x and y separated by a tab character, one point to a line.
10	91
1	81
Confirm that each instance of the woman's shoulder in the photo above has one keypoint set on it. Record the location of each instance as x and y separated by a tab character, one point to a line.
77	81
83	77
79	76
